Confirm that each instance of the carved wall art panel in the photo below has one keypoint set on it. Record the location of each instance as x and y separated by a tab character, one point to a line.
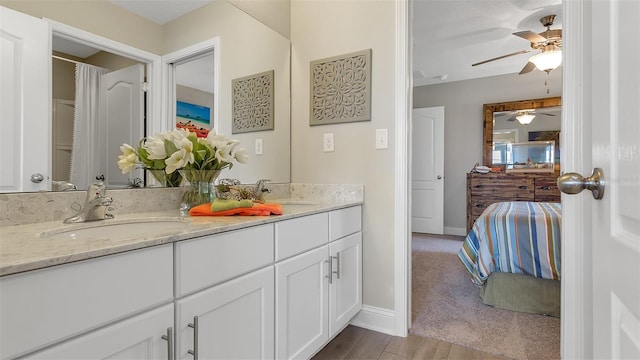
341	89
253	103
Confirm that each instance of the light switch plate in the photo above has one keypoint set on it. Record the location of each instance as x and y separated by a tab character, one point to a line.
328	142
258	147
382	139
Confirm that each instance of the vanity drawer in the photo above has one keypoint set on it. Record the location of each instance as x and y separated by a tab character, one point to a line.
44	306
209	260
344	222
289	238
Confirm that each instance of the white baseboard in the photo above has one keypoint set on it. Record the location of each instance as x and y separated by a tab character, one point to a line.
455	231
376	319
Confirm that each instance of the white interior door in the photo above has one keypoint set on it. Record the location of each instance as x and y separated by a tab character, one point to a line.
427	171
121	121
615	220
25	102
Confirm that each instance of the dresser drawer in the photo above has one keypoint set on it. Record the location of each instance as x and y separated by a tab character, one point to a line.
45	306
479	205
547	190
513	189
209	260
289	240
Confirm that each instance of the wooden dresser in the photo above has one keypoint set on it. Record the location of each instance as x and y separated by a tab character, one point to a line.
486	189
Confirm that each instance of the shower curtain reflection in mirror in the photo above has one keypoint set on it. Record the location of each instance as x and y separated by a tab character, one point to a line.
85	124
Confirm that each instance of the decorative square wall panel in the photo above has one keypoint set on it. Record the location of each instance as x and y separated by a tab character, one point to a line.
253	103
341	89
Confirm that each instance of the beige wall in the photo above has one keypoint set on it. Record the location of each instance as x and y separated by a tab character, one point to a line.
462	101
99	17
246	47
321	29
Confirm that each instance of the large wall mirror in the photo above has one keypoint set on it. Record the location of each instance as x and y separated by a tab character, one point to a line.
518	122
237	54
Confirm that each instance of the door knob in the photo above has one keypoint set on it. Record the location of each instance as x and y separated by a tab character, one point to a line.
439	177
37	178
573	183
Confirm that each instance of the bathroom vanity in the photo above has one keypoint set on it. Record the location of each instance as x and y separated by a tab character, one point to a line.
241	287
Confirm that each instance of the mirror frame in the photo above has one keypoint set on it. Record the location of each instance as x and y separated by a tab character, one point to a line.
489	109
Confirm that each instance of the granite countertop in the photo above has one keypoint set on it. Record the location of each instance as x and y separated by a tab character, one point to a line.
23	248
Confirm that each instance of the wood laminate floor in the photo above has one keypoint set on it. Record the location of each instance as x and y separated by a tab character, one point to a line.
358	343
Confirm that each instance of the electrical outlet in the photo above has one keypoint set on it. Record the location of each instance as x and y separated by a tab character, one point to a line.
258	147
328	142
382	139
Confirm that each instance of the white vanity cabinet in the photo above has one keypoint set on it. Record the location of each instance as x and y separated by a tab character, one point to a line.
233	317
234	320
319	291
146	336
276	290
46	307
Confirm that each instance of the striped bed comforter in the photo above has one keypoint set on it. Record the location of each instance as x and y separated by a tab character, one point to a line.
516	237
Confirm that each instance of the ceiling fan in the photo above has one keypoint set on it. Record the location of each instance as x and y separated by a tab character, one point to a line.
549	42
514	114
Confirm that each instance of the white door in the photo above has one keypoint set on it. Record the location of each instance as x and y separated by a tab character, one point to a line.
427	170
302	302
235	320
25	103
345	289
121	121
615	220
140	337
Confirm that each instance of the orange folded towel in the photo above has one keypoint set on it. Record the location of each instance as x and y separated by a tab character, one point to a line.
256	210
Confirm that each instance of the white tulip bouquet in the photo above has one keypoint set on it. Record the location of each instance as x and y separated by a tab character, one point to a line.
182	150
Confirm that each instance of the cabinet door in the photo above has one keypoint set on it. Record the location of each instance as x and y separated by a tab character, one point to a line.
345	289
301	304
139	337
235	320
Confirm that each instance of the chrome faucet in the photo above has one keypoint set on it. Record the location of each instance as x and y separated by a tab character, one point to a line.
95	206
261	188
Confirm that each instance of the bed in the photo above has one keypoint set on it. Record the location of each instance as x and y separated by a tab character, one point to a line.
513	254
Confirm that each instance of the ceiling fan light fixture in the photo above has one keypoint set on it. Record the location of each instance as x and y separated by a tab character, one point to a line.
525	119
548	60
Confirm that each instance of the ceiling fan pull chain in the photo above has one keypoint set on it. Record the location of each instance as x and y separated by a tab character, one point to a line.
546	82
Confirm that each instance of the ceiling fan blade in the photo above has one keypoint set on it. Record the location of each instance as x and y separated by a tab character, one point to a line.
502	57
531	36
527	68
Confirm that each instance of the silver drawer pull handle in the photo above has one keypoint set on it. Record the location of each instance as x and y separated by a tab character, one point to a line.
337	272
330	271
194	326
169	338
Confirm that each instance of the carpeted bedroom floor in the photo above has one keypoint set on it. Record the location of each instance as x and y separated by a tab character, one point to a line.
446	306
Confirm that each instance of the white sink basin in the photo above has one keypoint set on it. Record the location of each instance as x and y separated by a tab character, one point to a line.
118	229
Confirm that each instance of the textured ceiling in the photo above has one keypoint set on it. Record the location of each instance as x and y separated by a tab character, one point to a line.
449	36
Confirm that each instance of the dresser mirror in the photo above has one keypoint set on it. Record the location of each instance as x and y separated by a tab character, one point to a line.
274	164
518	122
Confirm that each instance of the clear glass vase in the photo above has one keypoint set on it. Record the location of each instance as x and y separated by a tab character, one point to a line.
200	190
166	180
